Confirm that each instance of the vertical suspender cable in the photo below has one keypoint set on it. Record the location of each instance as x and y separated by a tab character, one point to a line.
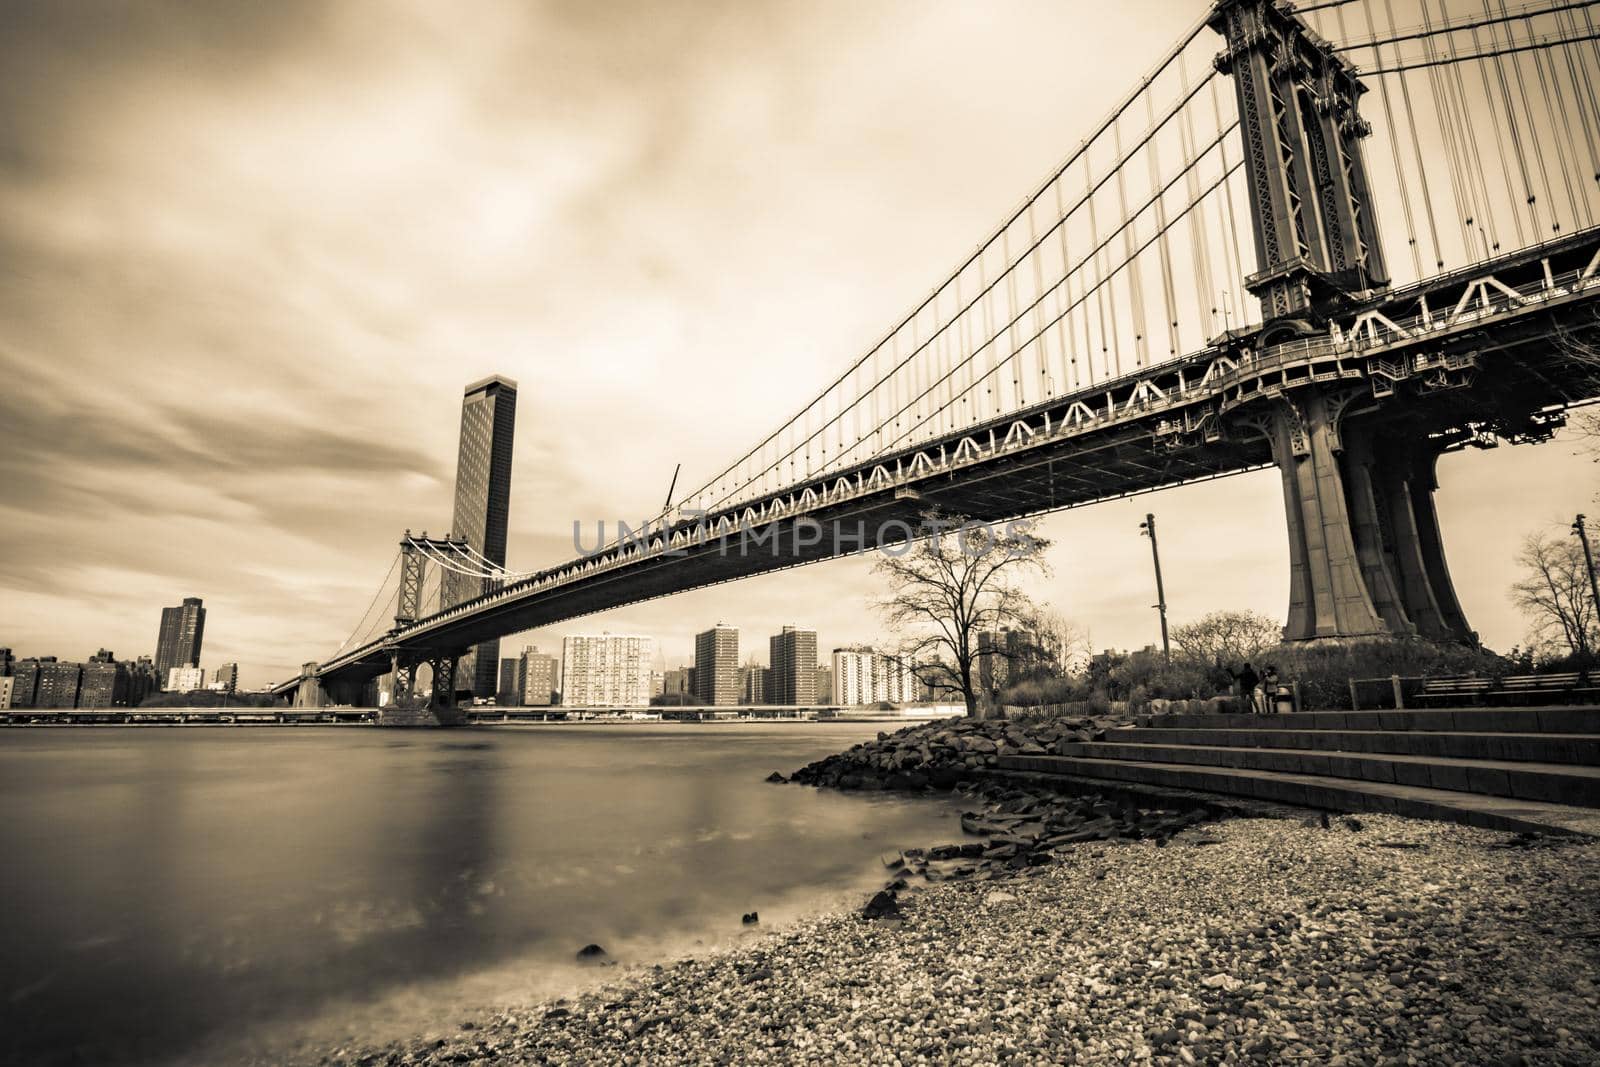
1416	144
1533	133
1394	150
1129	243
1556	108
1163	250
1583	94
1232	260
1445	116
1483	209
1197	222
1499	151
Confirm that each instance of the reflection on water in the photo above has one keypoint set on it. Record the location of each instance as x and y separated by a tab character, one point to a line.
228	892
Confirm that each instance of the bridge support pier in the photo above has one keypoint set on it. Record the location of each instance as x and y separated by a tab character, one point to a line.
443	701
1365	555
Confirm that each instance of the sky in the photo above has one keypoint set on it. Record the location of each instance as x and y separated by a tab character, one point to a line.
251	253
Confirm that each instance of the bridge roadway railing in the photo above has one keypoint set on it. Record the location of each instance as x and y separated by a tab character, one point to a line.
1164	389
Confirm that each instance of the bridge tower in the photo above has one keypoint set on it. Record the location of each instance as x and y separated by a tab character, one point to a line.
1364	547
1315	235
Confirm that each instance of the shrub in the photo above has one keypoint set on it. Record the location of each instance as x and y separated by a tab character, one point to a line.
1325	669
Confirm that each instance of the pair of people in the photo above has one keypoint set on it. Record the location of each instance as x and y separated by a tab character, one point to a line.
1261	691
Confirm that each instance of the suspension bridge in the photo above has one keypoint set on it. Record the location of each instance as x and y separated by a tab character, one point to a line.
1362	234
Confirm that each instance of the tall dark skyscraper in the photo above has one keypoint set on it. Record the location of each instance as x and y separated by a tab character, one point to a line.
182	630
483	498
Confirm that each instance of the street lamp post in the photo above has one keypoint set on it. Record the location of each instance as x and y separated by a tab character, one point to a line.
1582	531
1148	529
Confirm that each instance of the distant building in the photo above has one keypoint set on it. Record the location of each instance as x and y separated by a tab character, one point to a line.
105	682
510	689
25	682
658	683
185	679
794	666
183	630
6	682
865	676
142	680
58	684
824	678
678	682
226	678
483	498
1005	654
755	685
606	670
539	677
7	662
716	665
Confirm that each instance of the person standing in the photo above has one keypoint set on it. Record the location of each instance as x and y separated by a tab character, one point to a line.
1248	681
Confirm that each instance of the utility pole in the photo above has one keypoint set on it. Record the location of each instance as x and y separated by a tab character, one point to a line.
1588	558
1148	529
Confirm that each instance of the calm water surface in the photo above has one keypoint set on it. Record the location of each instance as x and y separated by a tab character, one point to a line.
252	894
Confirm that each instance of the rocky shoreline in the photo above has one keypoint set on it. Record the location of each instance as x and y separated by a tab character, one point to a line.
1083	929
944	753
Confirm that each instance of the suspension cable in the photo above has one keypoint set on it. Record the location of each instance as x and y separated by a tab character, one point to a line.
1460	25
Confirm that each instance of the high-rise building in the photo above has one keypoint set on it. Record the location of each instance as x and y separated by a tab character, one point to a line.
658	683
7	662
679	682
510	689
226	678
6	682
142	680
606	670
716	665
105	682
1005	654
824	678
794	666
25	682
483	499
755	685
185	679
539	677
182	630
58	684
864	676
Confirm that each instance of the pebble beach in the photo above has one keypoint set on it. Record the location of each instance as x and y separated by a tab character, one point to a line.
1282	939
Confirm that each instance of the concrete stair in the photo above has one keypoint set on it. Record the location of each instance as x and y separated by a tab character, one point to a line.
1520	769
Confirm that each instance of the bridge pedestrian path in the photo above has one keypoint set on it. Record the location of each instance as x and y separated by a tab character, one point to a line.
1520	769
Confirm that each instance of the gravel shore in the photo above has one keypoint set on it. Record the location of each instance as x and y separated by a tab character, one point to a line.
1257	940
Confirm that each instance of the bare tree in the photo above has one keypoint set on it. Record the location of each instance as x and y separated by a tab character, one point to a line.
1226	637
953	585
1554	593
1581	350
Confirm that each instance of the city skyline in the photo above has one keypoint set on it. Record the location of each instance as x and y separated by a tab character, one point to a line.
155	493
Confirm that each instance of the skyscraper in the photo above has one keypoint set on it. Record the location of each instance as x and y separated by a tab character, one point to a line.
606	669
182	630
483	498
716	665
794	667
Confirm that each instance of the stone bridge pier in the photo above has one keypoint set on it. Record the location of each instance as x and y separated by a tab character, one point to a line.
441	709
1365	555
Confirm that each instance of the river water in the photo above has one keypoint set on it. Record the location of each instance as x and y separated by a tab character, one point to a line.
241	894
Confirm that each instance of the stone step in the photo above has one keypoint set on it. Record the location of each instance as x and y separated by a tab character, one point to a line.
1553	782
1334	794
1583	749
1541	720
